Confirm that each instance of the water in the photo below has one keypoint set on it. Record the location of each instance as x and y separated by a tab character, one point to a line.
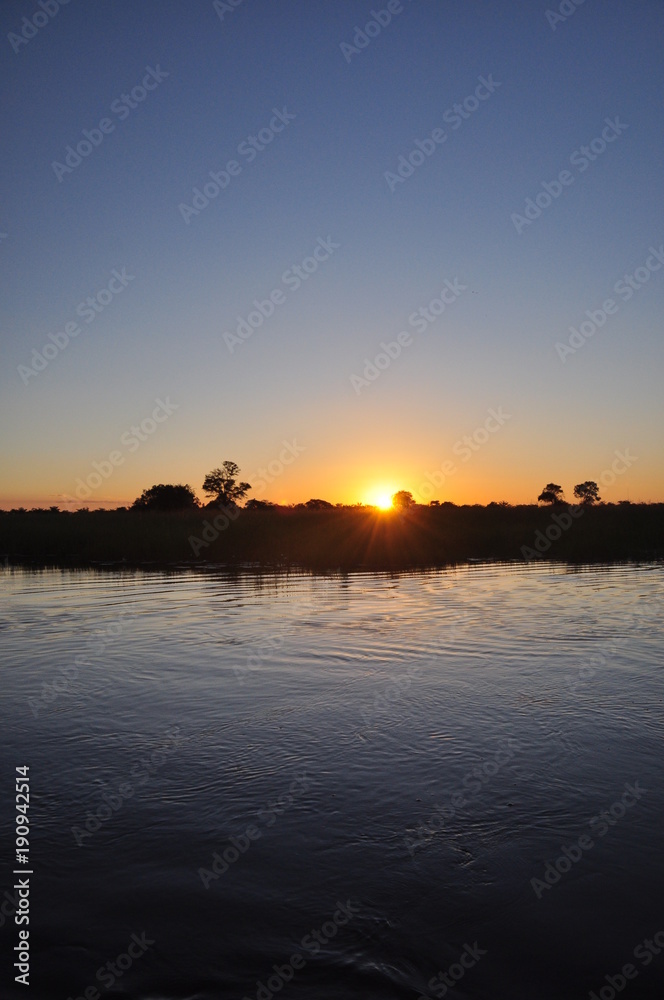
413	747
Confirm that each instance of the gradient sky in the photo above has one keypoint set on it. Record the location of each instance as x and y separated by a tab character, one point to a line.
323	177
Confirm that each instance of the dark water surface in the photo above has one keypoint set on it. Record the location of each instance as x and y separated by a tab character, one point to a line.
382	766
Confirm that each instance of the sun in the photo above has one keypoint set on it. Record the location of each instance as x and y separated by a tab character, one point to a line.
381	498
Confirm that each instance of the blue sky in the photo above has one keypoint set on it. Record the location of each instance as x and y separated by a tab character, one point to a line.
222	74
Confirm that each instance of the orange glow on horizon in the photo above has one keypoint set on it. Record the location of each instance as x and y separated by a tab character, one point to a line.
340	482
380	497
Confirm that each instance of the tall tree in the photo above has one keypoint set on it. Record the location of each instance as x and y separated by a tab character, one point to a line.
587	493
402	499
223	487
552	493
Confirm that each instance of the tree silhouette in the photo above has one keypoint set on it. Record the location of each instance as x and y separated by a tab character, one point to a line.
552	493
318	505
403	499
222	485
587	493
259	505
166	497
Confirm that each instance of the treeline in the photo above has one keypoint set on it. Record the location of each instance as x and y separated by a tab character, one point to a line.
335	537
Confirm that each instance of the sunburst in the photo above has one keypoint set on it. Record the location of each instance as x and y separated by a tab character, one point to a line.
381	498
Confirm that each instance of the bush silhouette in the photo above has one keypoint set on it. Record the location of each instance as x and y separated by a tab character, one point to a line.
166	497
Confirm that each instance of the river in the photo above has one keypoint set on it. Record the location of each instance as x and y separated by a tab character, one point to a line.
368	786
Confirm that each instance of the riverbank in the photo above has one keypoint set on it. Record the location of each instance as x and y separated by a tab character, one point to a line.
348	537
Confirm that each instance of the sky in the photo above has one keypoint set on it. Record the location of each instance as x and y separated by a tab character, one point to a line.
352	247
